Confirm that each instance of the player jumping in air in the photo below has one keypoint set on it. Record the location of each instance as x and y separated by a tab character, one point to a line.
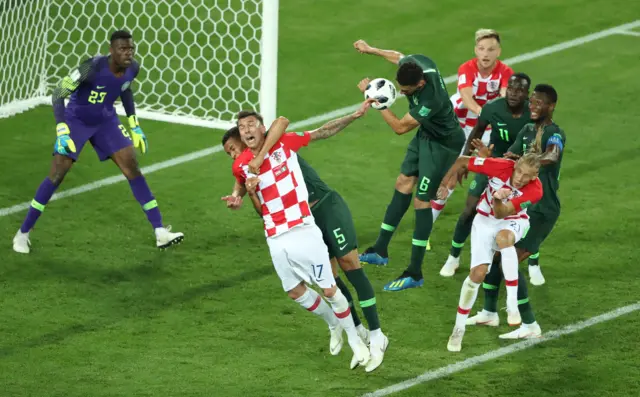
506	116
501	222
432	151
480	80
296	244
332	215
547	135
90	116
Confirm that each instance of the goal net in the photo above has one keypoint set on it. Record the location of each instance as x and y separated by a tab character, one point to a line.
201	61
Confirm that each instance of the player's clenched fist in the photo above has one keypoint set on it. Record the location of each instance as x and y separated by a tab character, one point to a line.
255	164
362	47
501	193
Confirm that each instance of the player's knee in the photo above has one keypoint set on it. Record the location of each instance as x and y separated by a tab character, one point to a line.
478	273
505	239
131	170
404	184
297	291
350	261
420	204
329	292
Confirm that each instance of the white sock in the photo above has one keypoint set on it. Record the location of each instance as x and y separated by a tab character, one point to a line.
376	336
342	312
438	205
510	271
314	303
468	295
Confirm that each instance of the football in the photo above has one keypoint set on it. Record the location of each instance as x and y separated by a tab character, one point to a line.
383	91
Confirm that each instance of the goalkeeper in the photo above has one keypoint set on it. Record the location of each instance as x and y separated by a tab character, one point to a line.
90	116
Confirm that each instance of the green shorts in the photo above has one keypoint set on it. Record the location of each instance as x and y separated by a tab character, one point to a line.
540	226
334	219
478	185
429	161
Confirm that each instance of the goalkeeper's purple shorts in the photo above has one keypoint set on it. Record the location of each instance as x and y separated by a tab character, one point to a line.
106	138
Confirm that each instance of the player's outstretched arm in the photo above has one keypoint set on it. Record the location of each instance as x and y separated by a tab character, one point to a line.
476	133
399	126
390	55
276	131
334	126
451	177
468	100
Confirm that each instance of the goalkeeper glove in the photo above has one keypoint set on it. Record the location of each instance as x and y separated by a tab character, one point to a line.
64	144
138	137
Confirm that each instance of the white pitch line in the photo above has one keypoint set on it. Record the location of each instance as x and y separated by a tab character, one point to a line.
629	33
318	119
494	354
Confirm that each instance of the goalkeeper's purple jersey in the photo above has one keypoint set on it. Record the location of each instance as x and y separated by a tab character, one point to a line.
93	89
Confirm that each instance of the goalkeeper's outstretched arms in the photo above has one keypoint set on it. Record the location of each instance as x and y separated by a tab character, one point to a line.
64	144
390	55
137	136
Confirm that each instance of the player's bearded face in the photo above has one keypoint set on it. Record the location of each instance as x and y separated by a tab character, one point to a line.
523	174
251	132
487	51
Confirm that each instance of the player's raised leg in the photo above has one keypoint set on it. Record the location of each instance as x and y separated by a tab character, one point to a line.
125	159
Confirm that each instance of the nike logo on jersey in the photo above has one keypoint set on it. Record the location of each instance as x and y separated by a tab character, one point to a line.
501	124
343	247
101	87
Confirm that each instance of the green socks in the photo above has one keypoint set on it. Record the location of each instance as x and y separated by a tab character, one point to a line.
395	211
366	296
424	224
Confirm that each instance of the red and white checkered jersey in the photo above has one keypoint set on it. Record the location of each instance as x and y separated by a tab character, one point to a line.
485	89
282	191
499	172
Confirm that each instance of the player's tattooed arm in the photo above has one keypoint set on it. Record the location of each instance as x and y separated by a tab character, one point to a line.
390	55
67	86
334	126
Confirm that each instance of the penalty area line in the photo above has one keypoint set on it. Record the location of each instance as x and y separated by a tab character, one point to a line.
494	354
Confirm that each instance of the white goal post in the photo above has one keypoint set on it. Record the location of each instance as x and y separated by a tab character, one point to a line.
202	61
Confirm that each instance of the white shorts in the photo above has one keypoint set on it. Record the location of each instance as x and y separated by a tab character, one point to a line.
300	255
483	236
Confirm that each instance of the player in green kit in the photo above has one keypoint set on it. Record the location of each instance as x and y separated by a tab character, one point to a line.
543	133
506	116
434	148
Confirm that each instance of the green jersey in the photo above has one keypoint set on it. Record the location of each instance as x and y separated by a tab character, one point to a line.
431	107
504	127
315	186
549	174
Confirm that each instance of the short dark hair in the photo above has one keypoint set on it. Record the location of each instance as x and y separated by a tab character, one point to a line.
409	73
233	132
120	34
523	76
243	114
548	91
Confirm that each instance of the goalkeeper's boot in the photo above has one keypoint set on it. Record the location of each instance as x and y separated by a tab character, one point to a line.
377	349
484	318
405	281
336	341
526	331
21	243
450	266
535	275
165	239
455	340
371	257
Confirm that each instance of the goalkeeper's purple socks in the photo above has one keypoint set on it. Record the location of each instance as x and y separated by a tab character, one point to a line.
143	194
41	199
